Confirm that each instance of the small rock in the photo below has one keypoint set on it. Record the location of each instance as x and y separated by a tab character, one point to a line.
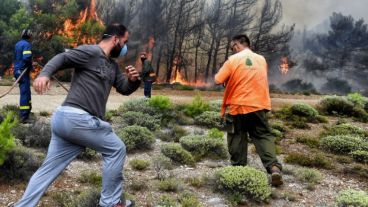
13	191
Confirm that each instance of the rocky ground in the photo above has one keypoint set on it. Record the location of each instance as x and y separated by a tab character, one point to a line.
292	193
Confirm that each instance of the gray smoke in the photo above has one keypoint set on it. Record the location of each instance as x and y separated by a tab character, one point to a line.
311	13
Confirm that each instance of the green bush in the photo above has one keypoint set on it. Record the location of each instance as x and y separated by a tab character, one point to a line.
345	129
167	201
161	165
177	132
173	134
202	146
169	185
178	154
215	133
279	126
88	154
315	160
9	109
197	182
299	115
277	134
140	165
6	137
137	118
138	185
37	135
336	105
160	102
188	199
360	156
209	119
92	178
137	138
312	142
197	107
309	176
304	110
357	99
20	164
44	113
343	144
90	197
350	197
216	105
137	105
244	180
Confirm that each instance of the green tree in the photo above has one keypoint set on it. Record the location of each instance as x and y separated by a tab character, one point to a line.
6	137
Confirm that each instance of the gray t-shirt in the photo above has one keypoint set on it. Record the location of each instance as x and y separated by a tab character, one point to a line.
94	75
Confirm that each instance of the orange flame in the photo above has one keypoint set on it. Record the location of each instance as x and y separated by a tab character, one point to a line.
74	30
178	77
284	65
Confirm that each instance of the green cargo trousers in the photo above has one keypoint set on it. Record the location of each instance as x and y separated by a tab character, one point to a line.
255	125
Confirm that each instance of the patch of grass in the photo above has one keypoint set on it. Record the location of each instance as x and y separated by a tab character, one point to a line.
356	169
309	176
246	181
312	142
92	178
140	165
178	154
308	160
169	185
351	197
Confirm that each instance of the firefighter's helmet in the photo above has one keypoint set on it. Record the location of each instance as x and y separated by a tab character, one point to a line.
26	34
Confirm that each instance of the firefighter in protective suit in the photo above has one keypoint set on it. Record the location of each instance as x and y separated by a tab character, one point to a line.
23	61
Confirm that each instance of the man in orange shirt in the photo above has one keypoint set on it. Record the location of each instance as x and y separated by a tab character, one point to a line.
247	99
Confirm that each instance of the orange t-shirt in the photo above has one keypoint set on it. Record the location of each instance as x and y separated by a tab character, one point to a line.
245	77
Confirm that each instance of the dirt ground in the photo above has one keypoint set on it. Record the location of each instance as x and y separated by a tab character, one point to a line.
54	98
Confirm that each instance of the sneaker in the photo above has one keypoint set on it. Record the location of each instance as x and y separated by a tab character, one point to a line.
128	203
276	177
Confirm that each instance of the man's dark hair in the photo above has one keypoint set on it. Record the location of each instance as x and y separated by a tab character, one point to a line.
242	39
114	29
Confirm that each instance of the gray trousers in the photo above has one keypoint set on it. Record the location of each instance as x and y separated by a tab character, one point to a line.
73	130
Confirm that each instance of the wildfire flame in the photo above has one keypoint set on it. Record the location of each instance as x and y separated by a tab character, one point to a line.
178	78
284	65
74	30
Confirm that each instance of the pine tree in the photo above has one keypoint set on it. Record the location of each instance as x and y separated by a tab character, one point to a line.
6	137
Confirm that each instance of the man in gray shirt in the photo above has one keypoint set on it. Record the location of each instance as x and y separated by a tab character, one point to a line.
79	122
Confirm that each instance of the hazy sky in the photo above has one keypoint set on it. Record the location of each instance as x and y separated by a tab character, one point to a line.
310	13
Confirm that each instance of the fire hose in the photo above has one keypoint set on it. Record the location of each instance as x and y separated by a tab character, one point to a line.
20	77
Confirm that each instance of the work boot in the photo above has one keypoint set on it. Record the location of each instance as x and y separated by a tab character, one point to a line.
276	177
128	203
